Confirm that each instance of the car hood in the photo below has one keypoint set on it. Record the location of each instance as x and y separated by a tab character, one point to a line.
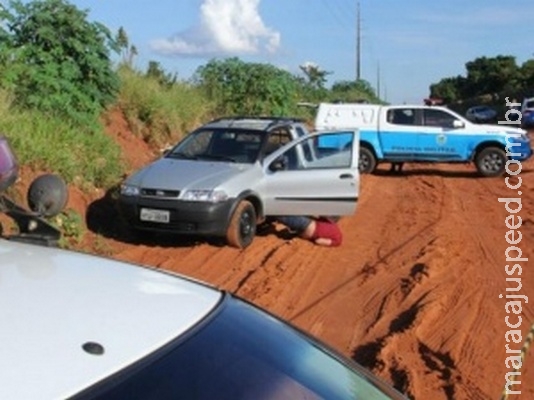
170	174
53	302
502	129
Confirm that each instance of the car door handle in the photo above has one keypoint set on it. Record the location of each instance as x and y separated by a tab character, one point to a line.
346	176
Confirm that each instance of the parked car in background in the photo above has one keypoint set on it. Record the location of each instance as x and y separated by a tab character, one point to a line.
79	326
527	113
481	114
231	174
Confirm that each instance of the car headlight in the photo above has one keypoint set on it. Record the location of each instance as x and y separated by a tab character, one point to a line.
213	196
129	190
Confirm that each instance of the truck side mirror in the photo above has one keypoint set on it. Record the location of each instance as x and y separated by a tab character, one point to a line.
457	124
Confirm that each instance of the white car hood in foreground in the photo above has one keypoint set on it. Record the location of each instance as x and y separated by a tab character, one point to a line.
52	302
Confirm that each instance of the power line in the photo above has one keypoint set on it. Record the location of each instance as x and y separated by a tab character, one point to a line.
336	13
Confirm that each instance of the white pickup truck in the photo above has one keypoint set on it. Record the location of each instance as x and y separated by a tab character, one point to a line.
417	133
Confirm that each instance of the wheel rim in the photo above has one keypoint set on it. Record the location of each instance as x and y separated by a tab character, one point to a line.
363	163
492	162
246	225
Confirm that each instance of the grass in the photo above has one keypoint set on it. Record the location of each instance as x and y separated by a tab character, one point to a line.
51	144
160	114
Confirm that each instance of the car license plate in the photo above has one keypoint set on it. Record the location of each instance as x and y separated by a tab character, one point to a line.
150	215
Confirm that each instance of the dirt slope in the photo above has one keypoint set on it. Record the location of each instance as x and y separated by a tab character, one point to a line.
412	294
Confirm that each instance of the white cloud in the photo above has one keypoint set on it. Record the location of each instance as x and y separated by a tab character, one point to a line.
227	27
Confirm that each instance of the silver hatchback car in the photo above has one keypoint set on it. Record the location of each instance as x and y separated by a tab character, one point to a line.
230	174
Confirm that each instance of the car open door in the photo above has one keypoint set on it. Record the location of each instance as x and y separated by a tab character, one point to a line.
314	175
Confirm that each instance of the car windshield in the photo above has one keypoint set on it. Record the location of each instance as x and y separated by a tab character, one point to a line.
242	353
230	145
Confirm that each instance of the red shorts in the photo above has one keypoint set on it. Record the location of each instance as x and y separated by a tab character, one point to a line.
327	230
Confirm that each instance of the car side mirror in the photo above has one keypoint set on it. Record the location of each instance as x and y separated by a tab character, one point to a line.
279	164
457	124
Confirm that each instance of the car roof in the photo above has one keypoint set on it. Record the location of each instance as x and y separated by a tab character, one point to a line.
56	302
251	122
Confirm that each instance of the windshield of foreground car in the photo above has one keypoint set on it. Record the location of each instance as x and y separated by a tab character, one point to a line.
228	144
242	353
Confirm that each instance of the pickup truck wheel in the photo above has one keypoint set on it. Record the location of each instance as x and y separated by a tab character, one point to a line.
491	162
367	161
242	228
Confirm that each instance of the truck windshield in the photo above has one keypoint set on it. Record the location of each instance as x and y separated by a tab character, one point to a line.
242	353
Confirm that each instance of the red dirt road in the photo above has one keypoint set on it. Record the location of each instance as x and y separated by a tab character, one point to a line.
413	292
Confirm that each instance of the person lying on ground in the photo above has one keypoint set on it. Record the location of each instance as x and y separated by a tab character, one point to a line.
322	231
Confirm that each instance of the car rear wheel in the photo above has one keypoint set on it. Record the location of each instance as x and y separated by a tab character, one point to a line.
242	227
367	161
491	161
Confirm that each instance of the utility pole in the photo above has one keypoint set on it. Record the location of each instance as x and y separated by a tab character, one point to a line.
358	42
378	80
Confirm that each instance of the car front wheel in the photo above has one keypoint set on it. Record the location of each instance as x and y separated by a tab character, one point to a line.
242	227
491	162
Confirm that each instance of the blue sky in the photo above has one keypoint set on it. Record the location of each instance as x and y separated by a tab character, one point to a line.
405	45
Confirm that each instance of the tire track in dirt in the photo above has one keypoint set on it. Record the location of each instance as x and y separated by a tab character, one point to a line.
465	263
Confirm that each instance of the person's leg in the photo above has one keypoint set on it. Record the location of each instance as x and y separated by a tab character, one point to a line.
297	223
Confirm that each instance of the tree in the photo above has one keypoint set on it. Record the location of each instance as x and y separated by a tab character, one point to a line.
155	71
527	74
127	51
316	76
56	60
448	89
353	91
485	76
491	75
238	87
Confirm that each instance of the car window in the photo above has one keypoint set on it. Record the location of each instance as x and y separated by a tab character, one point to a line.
241	353
438	118
328	150
300	131
194	144
233	145
276	139
401	116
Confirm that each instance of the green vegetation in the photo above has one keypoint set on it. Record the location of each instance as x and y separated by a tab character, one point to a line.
157	111
70	223
51	143
488	80
55	61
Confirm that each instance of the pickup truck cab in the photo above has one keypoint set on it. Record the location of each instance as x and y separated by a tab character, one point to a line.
418	133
